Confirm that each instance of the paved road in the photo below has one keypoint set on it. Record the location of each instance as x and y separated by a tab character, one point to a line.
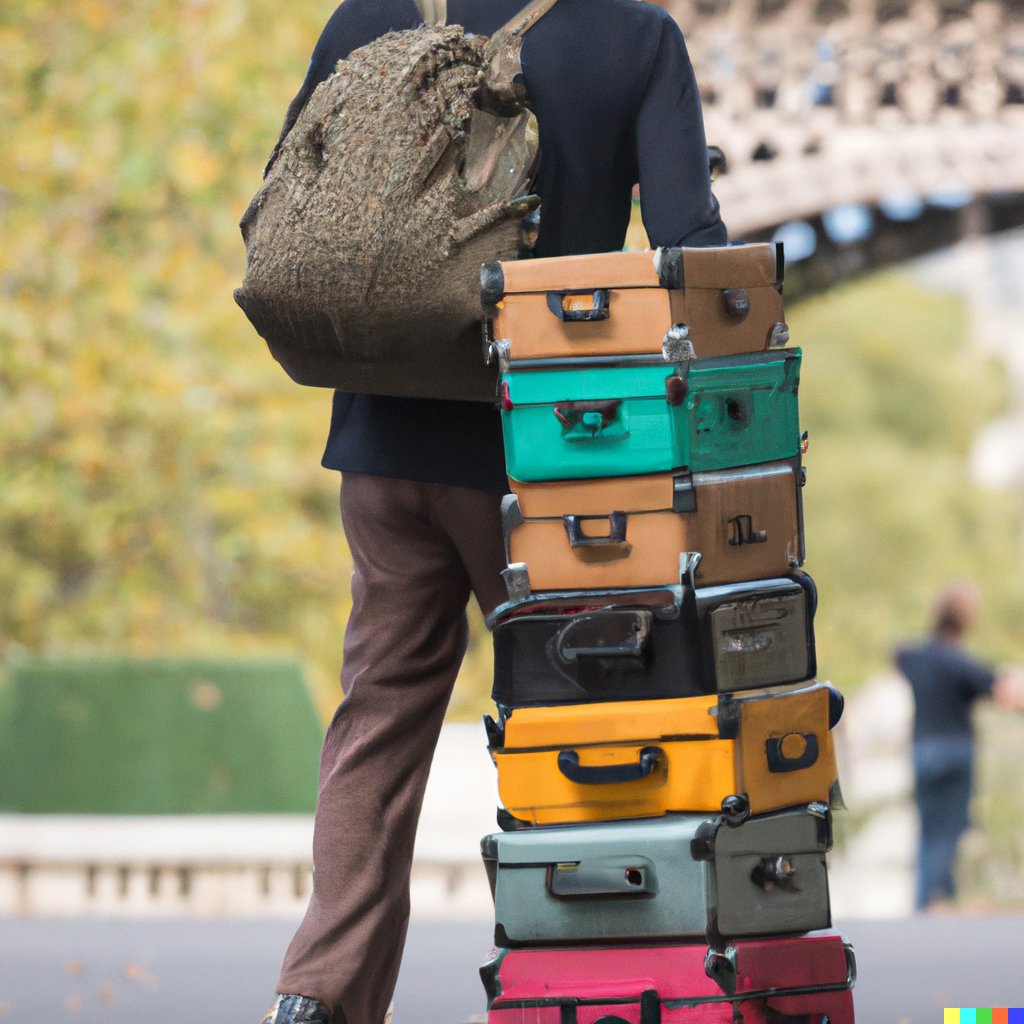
220	972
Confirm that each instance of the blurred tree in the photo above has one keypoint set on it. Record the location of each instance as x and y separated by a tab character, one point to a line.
159	473
893	396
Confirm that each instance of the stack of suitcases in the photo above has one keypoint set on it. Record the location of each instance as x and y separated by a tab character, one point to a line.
664	752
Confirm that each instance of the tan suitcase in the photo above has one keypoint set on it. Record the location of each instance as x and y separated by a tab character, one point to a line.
745	524
717	301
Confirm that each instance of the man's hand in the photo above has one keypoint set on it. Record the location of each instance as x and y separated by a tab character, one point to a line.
1008	692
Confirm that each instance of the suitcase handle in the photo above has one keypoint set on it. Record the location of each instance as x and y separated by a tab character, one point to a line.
569	414
650	1007
779	761
851	964
650	1011
602	877
742	532
632	645
602	774
598	310
578	539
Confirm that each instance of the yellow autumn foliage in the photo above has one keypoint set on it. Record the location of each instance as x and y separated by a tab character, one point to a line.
160	487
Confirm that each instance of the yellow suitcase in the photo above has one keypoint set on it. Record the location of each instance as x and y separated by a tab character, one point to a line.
746	524
637	759
682	302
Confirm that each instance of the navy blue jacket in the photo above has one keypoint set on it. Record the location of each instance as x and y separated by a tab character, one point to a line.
946	682
616	102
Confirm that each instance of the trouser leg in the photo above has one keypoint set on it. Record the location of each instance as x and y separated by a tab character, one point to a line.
933	844
418	550
942	795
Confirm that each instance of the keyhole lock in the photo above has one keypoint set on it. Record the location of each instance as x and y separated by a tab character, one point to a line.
775	873
634	876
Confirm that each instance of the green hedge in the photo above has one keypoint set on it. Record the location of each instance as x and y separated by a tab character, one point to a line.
157	736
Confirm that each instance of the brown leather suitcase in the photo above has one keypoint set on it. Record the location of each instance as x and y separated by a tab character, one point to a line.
682	302
745	524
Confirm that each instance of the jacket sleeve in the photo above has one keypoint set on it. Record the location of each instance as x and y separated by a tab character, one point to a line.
676	201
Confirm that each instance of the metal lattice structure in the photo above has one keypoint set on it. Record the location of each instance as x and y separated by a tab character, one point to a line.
821	103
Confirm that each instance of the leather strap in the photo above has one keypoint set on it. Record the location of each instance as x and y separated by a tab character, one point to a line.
435	12
504	52
517	25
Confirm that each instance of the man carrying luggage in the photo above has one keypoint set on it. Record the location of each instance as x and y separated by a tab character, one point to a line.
616	102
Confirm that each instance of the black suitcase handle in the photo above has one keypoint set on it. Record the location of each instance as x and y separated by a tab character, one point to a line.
598	311
779	762
629	639
578	539
598	775
650	1010
650	1007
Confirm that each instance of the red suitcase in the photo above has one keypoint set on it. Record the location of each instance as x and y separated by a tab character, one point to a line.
624	985
805	979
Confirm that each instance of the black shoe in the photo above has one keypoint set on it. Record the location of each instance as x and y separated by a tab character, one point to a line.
297	1010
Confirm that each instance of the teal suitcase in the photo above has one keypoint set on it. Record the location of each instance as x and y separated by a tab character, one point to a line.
586	419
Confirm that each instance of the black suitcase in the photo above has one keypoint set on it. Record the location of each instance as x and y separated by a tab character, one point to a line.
628	644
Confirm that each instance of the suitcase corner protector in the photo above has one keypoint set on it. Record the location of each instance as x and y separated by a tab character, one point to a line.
517	580
492	284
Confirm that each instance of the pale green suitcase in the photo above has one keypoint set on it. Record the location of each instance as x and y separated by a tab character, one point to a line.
687	877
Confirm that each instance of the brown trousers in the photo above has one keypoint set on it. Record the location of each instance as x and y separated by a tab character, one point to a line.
418	552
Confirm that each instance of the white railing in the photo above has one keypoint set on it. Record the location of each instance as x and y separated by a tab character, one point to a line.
260	865
192	866
241	865
140	866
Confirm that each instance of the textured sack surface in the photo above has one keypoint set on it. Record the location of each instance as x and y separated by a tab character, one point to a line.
365	242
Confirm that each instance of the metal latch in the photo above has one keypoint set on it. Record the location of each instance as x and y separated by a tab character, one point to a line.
737	303
684	494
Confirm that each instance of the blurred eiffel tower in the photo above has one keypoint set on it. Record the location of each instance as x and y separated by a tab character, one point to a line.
821	103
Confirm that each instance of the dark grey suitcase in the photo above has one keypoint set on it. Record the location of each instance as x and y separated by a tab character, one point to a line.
759	633
768	879
628	644
683	877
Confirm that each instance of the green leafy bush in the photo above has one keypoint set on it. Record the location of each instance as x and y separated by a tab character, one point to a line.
157	736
